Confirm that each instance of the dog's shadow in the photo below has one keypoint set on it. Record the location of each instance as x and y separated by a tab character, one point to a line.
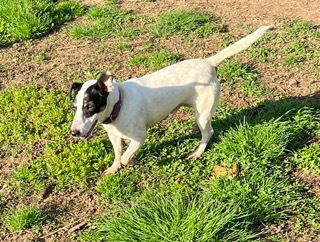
266	111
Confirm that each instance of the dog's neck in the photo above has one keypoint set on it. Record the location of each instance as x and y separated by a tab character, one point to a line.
113	105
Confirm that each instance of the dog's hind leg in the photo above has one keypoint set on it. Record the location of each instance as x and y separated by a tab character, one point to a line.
117	147
204	124
205	108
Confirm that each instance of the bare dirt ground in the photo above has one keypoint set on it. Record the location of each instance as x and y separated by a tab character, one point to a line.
67	60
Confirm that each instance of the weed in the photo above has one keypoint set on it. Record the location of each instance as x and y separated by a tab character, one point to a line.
119	186
156	60
30	114
107	21
42	57
123	46
296	27
2	68
25	19
253	89
308	159
23	218
292	60
298	52
64	164
233	71
183	22
223	211
260	53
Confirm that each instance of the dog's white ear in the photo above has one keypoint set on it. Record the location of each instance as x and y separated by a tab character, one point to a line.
105	81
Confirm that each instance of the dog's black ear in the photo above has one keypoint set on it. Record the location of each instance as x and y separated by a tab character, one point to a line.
105	82
75	87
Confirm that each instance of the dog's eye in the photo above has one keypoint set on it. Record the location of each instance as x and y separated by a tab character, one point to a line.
89	107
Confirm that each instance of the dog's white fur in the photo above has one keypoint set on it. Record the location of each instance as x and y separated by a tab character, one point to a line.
149	99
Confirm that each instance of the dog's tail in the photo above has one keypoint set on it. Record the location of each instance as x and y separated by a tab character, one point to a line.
237	47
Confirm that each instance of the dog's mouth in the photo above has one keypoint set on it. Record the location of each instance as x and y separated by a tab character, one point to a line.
89	134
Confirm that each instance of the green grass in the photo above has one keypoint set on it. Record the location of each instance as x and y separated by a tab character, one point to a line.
23	218
226	208
295	42
251	145
235	71
29	115
308	159
173	217
296	27
225	211
123	47
155	60
119	186
298	52
104	22
186	22
266	142
64	164
36	117
260	53
246	76
26	19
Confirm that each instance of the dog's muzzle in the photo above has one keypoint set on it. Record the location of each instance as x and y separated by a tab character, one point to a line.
77	133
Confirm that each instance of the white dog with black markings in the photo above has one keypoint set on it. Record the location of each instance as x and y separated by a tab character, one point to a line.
127	109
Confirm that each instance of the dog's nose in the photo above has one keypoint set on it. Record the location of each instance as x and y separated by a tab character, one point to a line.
75	132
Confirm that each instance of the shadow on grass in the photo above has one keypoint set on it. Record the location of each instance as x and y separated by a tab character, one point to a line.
283	109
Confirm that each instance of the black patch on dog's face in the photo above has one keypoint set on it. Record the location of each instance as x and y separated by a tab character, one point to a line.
94	101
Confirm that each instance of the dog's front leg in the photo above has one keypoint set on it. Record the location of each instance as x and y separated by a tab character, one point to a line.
117	147
134	145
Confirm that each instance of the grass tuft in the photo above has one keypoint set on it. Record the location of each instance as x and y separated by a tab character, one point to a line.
173	217
233	72
308	159
184	22
25	19
105	22
156	60
296	27
119	186
23	218
251	145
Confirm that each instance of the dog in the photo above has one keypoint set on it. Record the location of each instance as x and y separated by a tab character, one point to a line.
127	109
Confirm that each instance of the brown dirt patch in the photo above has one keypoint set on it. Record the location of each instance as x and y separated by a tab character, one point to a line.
65	210
236	11
313	181
288	231
7	166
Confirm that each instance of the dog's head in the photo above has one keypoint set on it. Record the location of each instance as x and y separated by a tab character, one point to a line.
90	100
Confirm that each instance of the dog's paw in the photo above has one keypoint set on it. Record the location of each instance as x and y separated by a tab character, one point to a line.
111	170
130	162
194	155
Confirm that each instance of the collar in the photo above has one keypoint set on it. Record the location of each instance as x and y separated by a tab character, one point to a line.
115	111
